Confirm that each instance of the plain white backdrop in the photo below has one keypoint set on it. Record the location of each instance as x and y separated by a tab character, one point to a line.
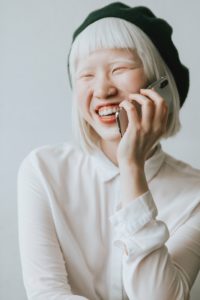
35	98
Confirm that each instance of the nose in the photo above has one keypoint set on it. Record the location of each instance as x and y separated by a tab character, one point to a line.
104	88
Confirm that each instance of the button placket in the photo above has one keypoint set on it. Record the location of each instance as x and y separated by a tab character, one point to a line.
116	257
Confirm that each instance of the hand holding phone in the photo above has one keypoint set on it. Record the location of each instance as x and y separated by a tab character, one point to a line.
161	86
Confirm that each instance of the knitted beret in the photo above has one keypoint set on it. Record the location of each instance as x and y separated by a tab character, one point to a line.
158	30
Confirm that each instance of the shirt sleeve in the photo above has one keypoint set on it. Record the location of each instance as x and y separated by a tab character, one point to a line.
43	266
156	265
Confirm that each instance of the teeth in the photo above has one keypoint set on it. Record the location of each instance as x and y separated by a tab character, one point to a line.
108	111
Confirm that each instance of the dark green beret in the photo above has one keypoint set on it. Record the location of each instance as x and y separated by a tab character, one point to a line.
158	30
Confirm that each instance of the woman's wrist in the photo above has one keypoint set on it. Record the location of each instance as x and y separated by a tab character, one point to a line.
133	183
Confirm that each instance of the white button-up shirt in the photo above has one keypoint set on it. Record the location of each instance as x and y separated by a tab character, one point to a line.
77	243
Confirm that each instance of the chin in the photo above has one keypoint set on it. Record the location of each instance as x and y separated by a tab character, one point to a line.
110	135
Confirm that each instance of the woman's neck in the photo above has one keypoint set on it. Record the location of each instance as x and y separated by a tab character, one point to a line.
110	150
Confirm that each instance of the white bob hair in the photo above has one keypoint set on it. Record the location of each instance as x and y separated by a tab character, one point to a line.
115	33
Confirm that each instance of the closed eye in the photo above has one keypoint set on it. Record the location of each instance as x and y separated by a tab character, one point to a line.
87	75
121	69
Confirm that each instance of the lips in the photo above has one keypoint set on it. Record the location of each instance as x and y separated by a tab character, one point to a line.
107	119
106	106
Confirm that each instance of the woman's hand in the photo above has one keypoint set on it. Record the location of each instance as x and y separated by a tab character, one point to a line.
144	128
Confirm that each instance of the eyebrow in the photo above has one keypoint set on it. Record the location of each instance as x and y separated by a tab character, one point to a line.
116	60
122	59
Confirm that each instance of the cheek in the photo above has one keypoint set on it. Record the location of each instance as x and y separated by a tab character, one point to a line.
133	81
79	92
82	97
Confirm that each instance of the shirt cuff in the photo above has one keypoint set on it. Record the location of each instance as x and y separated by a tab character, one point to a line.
135	215
136	229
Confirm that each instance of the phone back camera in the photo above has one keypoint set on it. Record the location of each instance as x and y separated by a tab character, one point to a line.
164	83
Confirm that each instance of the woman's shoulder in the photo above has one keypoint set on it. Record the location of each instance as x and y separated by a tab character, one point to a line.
53	155
182	172
181	166
178	190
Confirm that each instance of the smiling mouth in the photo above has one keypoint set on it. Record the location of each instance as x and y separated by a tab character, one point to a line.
107	111
107	114
109	119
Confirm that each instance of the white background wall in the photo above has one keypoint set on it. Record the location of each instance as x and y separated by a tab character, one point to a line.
35	100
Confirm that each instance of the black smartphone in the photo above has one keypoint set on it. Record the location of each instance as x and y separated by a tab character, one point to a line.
162	87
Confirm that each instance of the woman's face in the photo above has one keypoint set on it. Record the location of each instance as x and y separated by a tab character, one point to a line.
102	80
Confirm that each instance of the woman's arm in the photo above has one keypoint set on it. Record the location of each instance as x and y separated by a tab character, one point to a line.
43	266
150	271
156	265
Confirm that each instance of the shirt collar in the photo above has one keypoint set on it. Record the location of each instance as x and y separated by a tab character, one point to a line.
109	170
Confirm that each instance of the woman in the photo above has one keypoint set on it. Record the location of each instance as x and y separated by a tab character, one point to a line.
111	217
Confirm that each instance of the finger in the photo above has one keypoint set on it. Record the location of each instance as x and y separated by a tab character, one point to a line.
147	109
132	113
158	100
161	107
165	118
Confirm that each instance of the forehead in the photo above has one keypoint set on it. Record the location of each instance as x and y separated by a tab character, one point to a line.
110	55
